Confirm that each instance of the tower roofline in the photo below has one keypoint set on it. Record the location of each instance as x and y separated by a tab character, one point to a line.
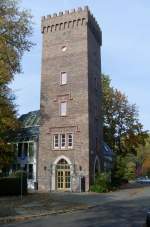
66	12
70	19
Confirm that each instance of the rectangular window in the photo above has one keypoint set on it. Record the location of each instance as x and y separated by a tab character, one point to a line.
63	78
70	140
25	149
19	150
56	141
31	150
63	141
63	108
30	171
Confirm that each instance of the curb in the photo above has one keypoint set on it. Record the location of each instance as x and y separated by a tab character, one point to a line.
19	218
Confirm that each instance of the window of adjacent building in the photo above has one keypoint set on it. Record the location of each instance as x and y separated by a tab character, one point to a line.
63	140
63	108
25	168
56	141
30	171
31	150
63	78
25	149
19	149
70	140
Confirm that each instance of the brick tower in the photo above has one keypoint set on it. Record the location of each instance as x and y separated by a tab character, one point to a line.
71	121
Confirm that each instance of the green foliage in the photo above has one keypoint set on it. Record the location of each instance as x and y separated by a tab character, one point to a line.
122	132
143	152
15	29
124	169
122	129
102	183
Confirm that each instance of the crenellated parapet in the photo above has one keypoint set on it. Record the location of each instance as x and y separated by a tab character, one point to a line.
69	20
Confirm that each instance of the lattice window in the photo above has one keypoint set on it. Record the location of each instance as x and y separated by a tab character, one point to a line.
70	140
56	141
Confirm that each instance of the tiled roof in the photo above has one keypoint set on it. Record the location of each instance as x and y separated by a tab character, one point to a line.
106	150
30	127
30	119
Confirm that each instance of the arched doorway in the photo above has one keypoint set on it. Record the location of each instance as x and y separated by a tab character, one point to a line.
63	180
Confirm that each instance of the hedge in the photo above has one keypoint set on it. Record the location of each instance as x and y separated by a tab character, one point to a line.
12	185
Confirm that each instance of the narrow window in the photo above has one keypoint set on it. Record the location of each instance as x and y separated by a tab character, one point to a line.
19	150
25	168
30	171
63	141
56	141
63	78
63	108
31	150
70	140
25	149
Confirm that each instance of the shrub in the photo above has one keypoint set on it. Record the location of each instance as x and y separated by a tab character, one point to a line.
123	170
12	185
102	183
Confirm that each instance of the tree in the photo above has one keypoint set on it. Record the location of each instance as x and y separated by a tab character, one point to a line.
124	168
15	30
143	158
122	129
122	132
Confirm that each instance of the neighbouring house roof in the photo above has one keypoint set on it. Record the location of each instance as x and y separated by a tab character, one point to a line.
107	152
29	127
30	119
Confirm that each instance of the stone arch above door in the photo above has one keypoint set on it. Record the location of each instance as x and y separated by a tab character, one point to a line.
62	157
60	160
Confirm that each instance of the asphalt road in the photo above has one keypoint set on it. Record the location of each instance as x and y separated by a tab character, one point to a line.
124	211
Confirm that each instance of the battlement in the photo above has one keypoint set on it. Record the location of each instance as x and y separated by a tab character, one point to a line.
69	20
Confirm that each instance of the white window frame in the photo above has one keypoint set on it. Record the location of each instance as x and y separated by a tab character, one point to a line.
70	147
63	78
61	141
62	112
54	140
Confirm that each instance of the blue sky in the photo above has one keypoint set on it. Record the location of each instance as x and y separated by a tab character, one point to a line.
125	51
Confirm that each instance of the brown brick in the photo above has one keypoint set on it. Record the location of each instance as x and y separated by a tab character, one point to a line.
79	32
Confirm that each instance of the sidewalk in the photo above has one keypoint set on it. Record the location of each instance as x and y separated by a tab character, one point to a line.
35	205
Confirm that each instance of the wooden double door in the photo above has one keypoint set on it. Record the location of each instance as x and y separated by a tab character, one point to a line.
63	179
